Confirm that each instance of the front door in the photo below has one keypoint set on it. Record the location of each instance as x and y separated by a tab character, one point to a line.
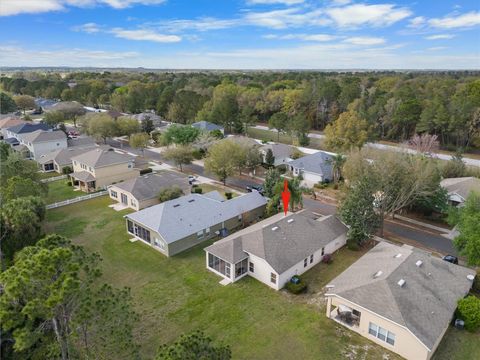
124	199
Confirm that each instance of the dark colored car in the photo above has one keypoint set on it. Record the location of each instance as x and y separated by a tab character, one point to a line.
258	188
451	259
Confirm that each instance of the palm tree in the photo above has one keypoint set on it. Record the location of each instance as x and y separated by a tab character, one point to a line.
337	162
296	193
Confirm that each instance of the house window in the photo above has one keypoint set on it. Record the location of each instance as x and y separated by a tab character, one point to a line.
133	202
311	258
241	268
130	226
227	269
200	234
207	231
305	262
251	267
323	251
58	144
239	217
90	169
113	194
218	265
273	278
381	333
142	233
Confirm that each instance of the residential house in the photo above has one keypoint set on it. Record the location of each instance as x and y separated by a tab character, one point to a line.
399	297
42	142
8	122
314	168
281	153
208	126
156	119
277	248
177	225
59	159
98	168
20	130
142	191
459	188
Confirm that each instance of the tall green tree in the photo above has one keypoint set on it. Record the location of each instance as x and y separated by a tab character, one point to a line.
347	132
100	126
7	104
180	155
127	126
71	110
222	159
24	102
272	177
179	134
279	122
140	141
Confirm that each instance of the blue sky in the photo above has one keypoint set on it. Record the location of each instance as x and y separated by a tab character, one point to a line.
243	34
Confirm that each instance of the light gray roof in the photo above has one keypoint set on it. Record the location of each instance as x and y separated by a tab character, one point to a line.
206	125
424	304
280	151
317	163
100	157
281	241
81	141
148	186
44	136
461	186
83	176
64	156
179	218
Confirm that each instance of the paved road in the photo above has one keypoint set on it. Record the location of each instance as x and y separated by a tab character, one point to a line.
467	160
425	238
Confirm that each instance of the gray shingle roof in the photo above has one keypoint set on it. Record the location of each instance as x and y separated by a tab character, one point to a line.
424	304
461	186
28	128
280	151
83	176
100	157
281	241
205	125
81	141
148	186
44	136
317	163
64	156
178	218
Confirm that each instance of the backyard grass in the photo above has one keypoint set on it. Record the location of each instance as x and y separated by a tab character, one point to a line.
59	190
46	175
284	138
178	295
210	187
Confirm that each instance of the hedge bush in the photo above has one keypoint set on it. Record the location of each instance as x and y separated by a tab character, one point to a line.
469	311
197	190
296	288
327	259
228	195
146	171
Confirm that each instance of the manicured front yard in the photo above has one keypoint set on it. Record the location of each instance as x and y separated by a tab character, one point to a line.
209	187
178	295
59	190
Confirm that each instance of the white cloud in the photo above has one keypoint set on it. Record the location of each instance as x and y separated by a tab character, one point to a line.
89	28
341	2
365	40
200	24
362	14
440	37
15	7
417	22
303	37
145	35
269	2
437	48
461	21
280	19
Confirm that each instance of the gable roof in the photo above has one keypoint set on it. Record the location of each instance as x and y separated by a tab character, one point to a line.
44	136
101	157
317	163
279	151
424	304
83	141
8	122
148	186
28	128
461	186
206	125
282	241
179	218
64	156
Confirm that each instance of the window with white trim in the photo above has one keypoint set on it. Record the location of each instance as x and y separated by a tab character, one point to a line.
273	278
251	267
323	251
200	234
311	258
305	262
381	333
113	194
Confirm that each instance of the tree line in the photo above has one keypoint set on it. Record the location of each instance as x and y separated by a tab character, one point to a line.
390	106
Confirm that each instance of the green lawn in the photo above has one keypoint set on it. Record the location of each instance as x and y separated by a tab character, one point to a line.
209	187
284	138
458	345
59	190
178	295
46	175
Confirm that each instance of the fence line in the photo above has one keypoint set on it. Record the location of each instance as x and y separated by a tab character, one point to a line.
55	178
77	199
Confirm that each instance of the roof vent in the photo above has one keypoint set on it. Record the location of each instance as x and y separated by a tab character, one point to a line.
275	228
398	255
419	263
470	277
176	205
290	220
401	282
377	274
192	200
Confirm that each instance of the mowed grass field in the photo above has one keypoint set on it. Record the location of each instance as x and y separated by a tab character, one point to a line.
59	190
178	295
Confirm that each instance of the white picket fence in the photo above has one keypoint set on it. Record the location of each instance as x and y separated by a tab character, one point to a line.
55	178
77	199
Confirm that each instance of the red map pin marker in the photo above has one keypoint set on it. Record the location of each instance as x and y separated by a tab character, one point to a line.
285	196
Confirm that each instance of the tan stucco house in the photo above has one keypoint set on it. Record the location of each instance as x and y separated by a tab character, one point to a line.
177	225
141	192
98	168
275	249
399	297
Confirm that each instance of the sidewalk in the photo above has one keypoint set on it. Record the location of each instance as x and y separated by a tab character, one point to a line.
423	224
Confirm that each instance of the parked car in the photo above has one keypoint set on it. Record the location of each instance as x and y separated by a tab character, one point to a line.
258	188
192	179
451	259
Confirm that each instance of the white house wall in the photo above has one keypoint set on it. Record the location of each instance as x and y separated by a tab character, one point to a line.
262	271
39	149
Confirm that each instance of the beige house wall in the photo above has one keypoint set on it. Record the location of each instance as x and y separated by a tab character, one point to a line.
406	344
135	205
108	175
